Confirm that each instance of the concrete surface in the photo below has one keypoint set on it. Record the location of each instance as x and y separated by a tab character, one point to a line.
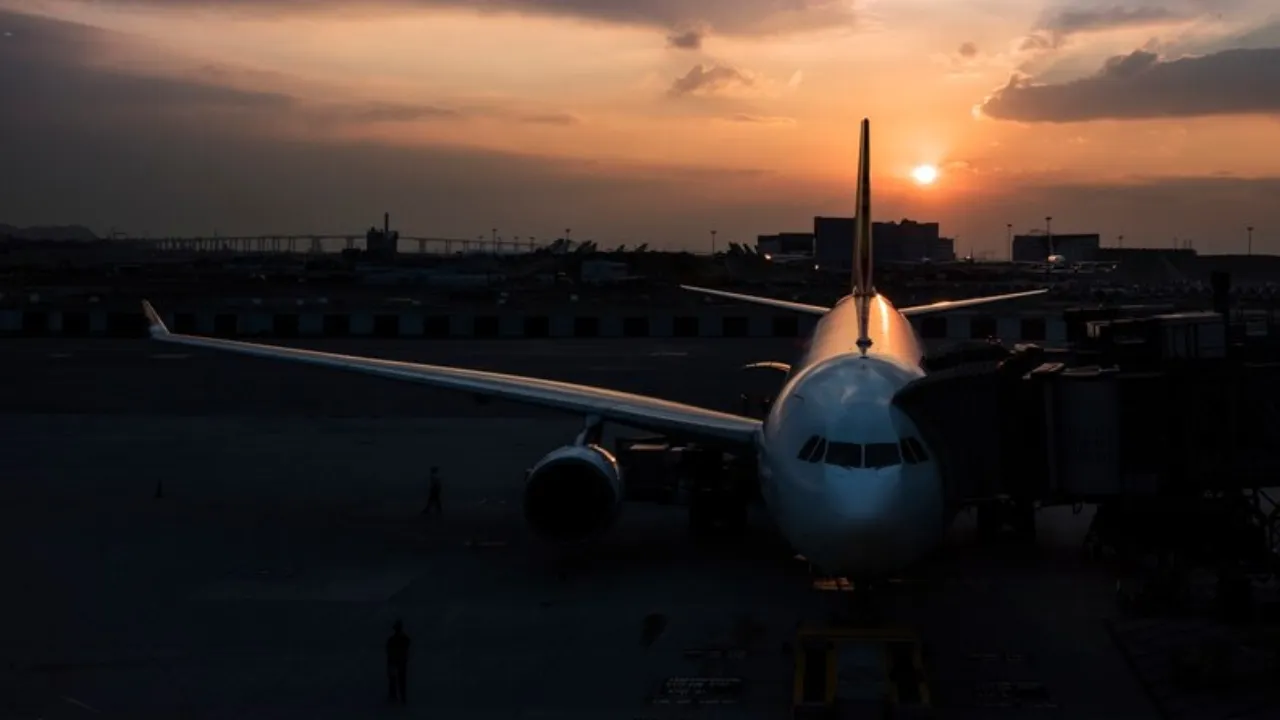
264	580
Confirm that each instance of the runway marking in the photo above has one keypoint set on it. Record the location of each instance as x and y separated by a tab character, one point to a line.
79	704
169	356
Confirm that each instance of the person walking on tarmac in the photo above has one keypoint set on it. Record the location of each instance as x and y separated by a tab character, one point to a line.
433	493
397	663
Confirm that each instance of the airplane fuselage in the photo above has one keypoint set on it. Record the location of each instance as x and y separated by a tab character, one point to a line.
865	498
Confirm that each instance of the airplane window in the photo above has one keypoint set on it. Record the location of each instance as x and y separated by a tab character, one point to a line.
807	449
848	455
918	450
907	453
819	451
882	455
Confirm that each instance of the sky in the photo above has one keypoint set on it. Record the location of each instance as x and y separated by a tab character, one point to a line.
632	121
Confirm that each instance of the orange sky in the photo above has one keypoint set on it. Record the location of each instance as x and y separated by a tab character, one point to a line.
750	126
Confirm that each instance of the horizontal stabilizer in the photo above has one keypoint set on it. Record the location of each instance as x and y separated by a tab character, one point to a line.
757	300
947	305
768	365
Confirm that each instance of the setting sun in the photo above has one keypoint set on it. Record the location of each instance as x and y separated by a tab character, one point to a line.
925	174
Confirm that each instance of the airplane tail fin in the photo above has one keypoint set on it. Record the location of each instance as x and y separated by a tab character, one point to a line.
862	231
863	291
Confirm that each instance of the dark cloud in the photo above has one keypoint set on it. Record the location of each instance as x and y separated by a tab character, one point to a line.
735	17
395	112
709	80
1066	22
1058	25
687	40
48	63
968	50
551	119
83	142
1140	85
762	119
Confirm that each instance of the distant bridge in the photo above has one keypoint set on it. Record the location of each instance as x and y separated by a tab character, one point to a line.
332	243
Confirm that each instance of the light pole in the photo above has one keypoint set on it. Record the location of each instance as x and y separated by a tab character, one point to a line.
1048	231
1249	246
1121	239
1008	237
713	243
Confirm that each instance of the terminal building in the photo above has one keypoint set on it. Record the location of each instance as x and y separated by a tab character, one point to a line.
791	243
905	241
1076	248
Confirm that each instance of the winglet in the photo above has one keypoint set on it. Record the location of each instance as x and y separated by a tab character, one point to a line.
156	325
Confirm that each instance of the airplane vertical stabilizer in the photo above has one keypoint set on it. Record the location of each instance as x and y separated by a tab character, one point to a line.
863	290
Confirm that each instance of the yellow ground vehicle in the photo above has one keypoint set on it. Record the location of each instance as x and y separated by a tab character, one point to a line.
859	672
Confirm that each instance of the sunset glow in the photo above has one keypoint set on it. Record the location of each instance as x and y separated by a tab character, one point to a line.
924	174
642	120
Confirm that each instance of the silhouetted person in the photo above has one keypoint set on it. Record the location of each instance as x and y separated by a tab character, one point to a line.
397	663
433	493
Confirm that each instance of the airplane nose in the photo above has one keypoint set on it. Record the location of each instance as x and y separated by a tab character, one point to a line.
859	529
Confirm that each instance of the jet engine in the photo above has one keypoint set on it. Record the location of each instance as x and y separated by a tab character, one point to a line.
573	494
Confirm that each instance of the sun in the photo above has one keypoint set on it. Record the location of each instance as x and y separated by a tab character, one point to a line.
924	174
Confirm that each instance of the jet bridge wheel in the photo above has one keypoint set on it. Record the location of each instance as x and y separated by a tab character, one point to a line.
1007	520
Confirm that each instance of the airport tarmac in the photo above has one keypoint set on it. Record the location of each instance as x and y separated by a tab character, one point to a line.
287	536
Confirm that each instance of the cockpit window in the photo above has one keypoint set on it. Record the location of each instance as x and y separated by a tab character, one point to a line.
807	449
857	455
908	454
917	449
813	449
882	455
848	455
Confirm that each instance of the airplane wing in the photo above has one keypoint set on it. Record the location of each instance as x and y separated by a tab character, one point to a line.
946	305
638	411
819	310
757	300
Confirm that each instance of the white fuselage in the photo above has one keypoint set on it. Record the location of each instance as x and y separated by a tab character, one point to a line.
866	499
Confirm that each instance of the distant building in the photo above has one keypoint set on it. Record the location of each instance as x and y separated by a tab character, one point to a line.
382	244
1075	248
905	241
785	244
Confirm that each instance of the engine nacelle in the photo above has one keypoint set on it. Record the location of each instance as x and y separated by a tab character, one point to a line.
574	494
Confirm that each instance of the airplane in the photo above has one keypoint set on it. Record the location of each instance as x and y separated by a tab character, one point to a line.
843	473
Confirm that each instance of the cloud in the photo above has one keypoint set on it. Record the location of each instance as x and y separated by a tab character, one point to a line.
551	119
1057	26
52	64
762	119
731	17
156	155
1067	22
395	112
1140	85
709	80
687	40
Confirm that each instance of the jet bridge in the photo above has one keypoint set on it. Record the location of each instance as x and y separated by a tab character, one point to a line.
1156	420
